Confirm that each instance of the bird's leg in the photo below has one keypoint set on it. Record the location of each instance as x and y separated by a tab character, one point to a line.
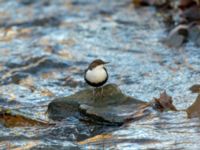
94	93
102	92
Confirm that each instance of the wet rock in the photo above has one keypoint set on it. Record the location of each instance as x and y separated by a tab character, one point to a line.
113	108
195	88
177	37
187	19
193	110
13	119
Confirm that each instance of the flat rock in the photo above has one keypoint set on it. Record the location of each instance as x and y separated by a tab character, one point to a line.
113	107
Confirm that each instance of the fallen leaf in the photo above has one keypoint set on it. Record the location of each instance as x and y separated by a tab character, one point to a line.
164	102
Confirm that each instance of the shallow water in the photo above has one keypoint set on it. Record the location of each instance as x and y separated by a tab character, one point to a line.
46	45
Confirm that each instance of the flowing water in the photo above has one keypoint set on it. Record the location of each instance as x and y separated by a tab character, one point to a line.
45	47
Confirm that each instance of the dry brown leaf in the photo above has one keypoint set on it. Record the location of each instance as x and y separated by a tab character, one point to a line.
164	102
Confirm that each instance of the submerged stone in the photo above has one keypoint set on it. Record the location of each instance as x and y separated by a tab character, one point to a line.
113	107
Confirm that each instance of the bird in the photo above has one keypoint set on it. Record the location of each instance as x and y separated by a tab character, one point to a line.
96	74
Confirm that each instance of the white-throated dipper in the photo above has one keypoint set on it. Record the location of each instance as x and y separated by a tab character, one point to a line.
96	74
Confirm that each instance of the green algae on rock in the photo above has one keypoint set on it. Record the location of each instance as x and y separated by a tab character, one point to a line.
113	108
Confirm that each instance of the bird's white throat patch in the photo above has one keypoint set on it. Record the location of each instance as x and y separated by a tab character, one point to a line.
96	75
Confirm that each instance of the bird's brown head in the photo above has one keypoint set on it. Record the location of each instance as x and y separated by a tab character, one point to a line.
96	63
